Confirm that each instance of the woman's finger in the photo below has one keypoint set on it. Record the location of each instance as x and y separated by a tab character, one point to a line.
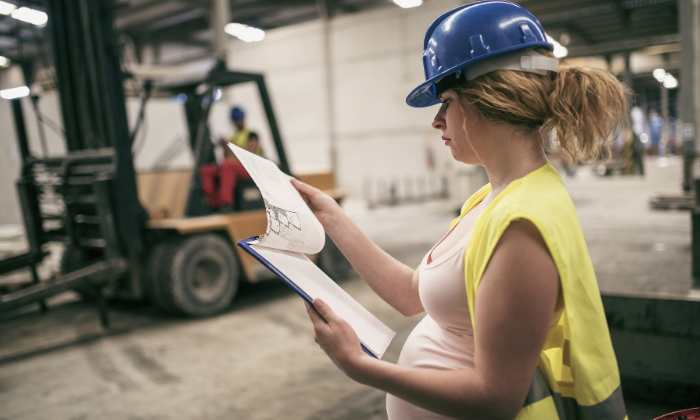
316	319
325	311
301	186
304	188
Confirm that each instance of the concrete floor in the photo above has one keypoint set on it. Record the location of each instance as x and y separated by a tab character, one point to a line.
258	360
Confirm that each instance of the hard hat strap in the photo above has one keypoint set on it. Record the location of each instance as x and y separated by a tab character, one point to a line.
523	60
528	61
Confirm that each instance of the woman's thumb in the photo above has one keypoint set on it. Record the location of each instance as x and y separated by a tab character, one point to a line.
303	187
324	310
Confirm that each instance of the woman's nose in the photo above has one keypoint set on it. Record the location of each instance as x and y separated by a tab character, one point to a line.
439	120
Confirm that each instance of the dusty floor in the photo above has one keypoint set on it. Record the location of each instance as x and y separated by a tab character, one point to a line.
259	361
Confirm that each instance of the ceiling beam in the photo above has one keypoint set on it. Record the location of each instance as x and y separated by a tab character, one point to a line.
242	5
288	20
22	33
622	46
575	29
126	9
575	14
602	9
326	8
181	37
151	11
176	19
28	52
264	7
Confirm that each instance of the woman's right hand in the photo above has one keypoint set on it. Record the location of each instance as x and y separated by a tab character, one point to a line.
325	208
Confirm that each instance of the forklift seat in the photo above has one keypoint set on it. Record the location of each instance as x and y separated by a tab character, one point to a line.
247	196
164	193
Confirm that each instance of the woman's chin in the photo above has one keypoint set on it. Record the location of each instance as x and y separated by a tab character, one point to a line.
468	159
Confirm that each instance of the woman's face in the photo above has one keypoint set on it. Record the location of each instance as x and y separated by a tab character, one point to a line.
449	120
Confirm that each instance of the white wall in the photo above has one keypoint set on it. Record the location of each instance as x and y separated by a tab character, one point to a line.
164	124
9	167
375	61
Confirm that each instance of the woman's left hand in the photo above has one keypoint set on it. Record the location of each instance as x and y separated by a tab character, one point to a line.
337	338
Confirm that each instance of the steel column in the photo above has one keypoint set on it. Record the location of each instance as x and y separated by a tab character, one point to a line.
665	117
220	16
688	96
267	104
326	10
21	129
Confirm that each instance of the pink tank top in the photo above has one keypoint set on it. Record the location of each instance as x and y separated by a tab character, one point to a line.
444	338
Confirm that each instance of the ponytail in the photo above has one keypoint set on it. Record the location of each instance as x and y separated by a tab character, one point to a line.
588	107
576	110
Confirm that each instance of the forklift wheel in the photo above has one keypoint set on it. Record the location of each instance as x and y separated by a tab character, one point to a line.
153	267
334	263
194	276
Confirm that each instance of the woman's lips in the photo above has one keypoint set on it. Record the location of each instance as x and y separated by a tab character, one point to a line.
446	140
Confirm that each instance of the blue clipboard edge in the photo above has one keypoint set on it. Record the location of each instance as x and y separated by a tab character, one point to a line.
247	248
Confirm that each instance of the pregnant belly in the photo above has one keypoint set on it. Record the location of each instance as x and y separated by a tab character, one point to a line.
431	346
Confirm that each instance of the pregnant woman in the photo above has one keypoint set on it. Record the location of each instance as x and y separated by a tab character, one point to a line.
515	326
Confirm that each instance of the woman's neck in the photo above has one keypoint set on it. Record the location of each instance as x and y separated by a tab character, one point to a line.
512	156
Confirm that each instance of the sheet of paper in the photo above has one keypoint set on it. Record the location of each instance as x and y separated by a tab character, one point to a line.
291	225
308	277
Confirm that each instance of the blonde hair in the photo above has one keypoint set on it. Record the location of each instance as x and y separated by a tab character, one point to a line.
578	108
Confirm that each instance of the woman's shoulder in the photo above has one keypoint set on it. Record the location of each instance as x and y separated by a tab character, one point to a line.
540	196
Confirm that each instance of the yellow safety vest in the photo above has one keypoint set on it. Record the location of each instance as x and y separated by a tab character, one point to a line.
577	376
240	139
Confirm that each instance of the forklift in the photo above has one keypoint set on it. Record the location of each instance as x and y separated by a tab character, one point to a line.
127	235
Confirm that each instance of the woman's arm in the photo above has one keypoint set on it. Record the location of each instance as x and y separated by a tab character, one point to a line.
393	281
514	306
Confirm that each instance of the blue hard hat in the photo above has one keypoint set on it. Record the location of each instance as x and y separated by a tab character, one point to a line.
237	113
471	34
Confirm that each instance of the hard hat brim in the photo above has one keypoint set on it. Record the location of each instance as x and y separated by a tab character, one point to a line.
423	96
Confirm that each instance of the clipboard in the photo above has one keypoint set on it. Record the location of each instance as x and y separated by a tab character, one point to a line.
247	248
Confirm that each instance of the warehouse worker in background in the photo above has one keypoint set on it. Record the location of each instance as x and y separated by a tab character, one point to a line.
231	170
515	327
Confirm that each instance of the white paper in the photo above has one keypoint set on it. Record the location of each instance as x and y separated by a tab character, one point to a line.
291	225
308	277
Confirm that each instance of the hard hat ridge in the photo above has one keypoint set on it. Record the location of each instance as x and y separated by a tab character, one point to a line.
479	33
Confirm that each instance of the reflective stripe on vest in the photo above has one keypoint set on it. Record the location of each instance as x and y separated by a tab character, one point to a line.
612	408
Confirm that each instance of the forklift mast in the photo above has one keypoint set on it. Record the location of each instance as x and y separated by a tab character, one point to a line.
90	83
86	199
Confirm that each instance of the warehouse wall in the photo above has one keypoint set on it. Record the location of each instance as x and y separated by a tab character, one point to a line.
375	62
9	166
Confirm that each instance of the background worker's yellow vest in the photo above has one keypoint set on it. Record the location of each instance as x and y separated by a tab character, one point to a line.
577	375
240	139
